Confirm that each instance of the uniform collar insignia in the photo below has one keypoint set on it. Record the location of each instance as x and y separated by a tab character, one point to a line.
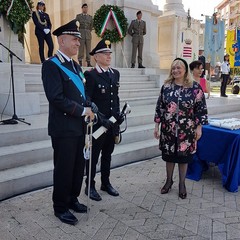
60	57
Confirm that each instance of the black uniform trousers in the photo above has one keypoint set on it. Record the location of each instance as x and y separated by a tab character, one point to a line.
68	172
41	37
224	82
104	145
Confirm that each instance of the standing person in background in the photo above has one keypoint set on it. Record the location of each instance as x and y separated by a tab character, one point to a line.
63	83
86	26
102	84
180	111
137	30
203	60
43	29
196	68
225	69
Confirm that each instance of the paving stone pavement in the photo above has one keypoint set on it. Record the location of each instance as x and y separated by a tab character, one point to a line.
140	212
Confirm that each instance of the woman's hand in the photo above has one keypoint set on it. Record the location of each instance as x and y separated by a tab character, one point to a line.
198	132
156	132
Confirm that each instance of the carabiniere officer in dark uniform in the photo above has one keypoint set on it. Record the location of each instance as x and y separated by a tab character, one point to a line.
43	27
102	84
63	83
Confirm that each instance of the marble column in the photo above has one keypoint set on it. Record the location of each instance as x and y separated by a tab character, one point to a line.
9	39
177	34
174	7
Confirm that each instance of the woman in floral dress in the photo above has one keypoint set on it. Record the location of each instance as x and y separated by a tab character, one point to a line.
180	111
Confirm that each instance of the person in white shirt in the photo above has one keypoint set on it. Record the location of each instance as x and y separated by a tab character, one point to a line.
225	69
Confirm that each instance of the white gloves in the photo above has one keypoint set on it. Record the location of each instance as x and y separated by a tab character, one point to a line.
46	30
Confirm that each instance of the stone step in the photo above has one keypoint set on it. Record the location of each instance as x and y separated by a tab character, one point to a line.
43	107
133	134
26	178
36	69
41	150
31	177
137	101
24	154
33	77
139	93
38	86
235	114
22	133
223	105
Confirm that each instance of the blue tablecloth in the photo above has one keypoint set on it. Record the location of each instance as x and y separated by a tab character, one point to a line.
222	147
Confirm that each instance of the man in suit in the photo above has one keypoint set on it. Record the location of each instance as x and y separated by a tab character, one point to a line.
137	30
102	84
63	83
86	26
43	27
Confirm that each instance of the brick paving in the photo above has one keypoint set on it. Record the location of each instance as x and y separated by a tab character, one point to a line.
139	213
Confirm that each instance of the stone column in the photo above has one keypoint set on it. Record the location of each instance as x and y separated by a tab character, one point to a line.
176	36
10	40
174	7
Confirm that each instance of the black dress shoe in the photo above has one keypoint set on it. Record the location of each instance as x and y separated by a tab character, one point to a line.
110	190
133	65
78	207
140	66
224	95
66	217
93	194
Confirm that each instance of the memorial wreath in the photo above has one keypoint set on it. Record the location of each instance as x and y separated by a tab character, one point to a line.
17	13
102	18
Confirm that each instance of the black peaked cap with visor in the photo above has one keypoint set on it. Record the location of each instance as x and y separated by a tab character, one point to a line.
102	46
70	28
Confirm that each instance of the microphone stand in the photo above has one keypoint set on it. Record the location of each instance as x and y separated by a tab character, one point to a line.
15	118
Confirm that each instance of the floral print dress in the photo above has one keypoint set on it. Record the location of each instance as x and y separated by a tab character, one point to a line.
180	110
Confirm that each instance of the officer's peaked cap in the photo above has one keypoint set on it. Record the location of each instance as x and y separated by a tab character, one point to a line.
70	28
102	46
41	2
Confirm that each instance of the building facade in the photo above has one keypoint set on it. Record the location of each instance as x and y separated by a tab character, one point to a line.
67	10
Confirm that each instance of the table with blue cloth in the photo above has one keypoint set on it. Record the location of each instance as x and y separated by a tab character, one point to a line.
221	147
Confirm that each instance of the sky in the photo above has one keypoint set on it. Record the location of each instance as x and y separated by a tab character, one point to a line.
197	7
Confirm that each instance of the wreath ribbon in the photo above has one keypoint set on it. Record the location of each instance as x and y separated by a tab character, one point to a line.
11	5
117	24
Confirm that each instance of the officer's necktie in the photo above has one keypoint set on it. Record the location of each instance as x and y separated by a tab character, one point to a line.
108	73
74	69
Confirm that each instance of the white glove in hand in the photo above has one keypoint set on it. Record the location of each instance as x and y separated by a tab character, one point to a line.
46	30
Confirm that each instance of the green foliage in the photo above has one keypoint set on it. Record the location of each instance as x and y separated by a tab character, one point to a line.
100	16
19	14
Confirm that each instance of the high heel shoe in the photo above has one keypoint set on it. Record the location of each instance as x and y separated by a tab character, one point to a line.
166	188
182	192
